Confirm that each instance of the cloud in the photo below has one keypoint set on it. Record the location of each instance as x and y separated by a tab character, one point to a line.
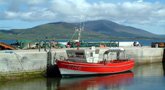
35	2
2	2
140	1
139	12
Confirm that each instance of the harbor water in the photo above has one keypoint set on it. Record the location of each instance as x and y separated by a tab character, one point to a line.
142	77
142	42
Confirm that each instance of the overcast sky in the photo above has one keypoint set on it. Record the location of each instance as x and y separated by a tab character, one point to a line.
144	14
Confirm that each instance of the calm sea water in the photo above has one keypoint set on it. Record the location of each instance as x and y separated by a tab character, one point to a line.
142	42
144	77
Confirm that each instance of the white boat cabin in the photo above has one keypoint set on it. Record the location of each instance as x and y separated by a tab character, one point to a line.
83	56
92	55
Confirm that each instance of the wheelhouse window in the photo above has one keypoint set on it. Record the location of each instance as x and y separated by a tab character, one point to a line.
70	54
78	54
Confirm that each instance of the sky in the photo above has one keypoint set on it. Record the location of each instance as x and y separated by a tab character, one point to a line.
148	15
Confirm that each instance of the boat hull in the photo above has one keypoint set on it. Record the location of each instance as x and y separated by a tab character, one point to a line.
76	69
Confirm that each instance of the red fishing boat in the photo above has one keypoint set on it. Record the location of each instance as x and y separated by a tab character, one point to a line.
89	62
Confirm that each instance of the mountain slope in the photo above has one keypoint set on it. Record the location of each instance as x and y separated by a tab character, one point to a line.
100	29
59	30
114	29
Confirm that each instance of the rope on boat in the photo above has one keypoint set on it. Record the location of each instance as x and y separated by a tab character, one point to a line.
72	36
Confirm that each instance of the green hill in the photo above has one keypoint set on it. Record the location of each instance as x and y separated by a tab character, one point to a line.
100	29
113	29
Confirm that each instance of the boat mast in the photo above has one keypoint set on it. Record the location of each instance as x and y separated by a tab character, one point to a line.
79	35
79	30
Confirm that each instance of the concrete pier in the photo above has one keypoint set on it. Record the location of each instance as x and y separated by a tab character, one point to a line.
22	63
145	55
31	63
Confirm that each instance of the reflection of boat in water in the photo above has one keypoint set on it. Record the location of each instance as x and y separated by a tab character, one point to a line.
110	81
87	62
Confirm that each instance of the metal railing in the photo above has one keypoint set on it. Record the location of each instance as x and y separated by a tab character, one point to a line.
114	43
45	45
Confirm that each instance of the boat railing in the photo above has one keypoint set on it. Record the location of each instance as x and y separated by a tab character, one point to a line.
77	59
119	61
113	61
